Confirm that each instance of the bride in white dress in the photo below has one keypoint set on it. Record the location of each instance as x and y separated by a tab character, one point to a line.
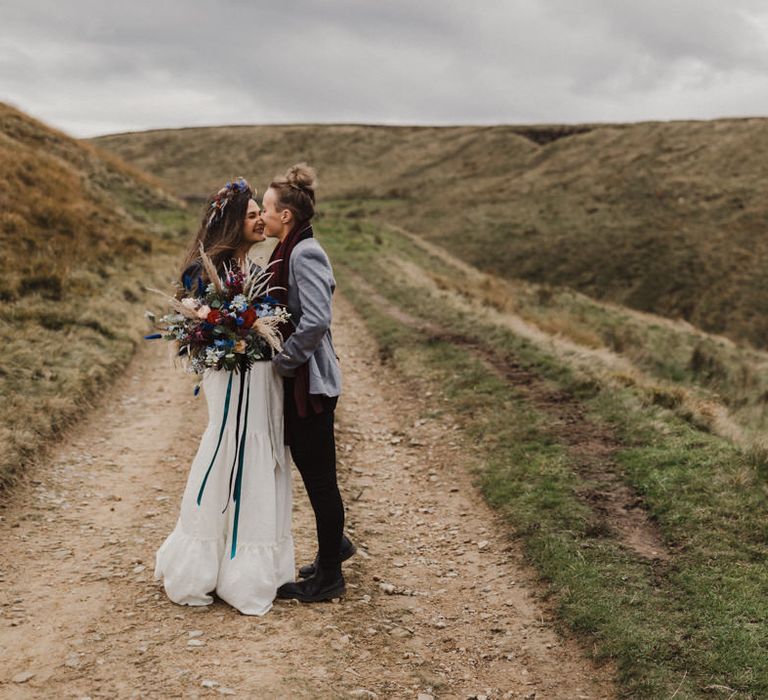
233	535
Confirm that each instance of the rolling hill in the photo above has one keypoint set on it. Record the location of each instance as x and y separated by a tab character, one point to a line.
668	217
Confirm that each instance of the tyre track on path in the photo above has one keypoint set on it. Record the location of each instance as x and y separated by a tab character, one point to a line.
618	510
439	600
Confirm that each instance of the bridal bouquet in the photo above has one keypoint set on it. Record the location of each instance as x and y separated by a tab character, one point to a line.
228	324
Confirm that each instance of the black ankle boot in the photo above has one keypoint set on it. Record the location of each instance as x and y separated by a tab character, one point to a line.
327	583
347	550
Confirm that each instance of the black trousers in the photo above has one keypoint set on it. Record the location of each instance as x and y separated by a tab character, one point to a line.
313	447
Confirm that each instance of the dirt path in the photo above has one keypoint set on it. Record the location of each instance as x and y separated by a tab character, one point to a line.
439	601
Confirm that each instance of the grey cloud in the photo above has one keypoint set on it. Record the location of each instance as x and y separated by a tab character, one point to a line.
93	67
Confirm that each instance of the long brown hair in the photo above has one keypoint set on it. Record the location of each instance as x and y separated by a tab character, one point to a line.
221	226
296	192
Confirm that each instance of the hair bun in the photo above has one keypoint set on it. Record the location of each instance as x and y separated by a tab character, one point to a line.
296	191
302	176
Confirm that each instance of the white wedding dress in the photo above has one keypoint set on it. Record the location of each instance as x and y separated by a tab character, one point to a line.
198	557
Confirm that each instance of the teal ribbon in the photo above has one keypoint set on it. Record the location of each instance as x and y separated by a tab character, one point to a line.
218	444
239	477
236	471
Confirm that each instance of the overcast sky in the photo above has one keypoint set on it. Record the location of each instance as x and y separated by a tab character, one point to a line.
91	67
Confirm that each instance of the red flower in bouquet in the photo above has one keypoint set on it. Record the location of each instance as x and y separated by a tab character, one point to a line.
249	317
214	317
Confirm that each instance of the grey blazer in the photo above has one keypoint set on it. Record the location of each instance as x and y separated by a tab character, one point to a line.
310	288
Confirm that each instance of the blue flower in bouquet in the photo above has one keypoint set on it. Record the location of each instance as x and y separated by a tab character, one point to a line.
239	303
265	309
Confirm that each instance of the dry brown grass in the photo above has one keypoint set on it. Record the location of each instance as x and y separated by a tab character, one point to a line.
80	235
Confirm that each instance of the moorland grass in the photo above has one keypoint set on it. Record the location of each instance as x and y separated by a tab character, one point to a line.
81	236
667	217
694	624
684	359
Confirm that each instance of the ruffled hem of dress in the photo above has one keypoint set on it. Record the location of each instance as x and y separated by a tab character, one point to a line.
192	568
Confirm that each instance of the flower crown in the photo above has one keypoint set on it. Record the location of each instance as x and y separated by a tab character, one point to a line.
223	196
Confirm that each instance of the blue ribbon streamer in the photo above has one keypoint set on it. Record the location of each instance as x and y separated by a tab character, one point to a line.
236	471
237	440
239	477
218	444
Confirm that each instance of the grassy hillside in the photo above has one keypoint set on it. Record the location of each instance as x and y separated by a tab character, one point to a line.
632	487
80	235
663	217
